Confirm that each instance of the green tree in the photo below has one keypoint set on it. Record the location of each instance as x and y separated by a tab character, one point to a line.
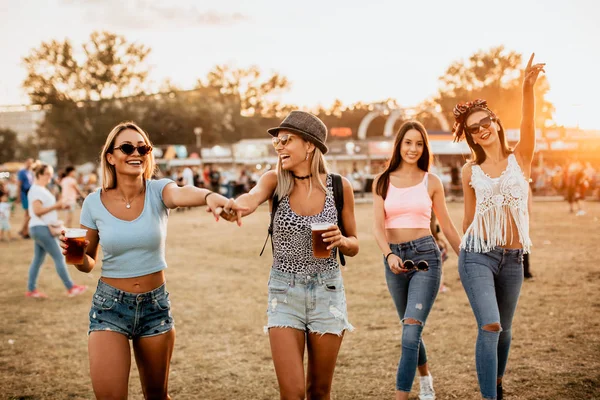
10	147
255	90
494	75
81	91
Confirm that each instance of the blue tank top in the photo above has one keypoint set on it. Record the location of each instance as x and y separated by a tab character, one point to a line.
130	248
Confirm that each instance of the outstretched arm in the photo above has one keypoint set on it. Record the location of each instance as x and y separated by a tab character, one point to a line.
190	196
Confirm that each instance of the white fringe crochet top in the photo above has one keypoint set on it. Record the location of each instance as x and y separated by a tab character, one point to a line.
497	199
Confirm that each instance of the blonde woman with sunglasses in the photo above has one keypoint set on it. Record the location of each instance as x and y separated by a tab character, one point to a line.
127	217
307	302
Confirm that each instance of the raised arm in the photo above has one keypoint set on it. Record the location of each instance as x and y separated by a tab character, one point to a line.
526	146
441	212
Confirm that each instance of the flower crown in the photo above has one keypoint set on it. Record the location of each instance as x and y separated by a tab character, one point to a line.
461	111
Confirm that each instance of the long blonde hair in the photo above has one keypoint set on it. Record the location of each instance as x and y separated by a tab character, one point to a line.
109	174
285	180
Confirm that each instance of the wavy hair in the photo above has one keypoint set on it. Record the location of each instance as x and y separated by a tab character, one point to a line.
109	174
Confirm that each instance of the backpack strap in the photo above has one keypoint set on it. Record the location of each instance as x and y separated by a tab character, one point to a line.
274	205
338	197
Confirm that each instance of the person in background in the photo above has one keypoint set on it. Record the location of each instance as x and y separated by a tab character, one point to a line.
70	193
12	189
25	177
5	211
43	214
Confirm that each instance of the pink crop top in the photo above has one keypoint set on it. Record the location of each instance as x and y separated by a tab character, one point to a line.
408	207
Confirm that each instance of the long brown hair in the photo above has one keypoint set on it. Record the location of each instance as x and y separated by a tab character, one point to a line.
383	180
478	155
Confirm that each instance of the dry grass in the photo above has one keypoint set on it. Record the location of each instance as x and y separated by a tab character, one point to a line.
218	288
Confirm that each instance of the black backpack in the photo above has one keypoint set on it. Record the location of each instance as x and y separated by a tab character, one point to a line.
338	197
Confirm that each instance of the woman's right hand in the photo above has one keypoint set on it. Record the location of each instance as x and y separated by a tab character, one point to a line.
63	242
396	264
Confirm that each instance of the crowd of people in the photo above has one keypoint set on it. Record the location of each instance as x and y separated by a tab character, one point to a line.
311	208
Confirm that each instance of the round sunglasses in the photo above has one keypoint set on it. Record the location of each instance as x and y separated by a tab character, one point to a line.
420	266
283	139
483	123
129	149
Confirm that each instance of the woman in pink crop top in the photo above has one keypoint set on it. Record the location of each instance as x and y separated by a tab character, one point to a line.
405	194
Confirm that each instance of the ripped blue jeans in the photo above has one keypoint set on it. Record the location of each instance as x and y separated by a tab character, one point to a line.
315	303
414	293
493	282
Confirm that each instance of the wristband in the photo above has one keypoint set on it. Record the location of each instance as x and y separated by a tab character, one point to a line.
206	197
387	255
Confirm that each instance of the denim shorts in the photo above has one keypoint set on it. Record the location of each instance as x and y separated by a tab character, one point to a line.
132	314
315	303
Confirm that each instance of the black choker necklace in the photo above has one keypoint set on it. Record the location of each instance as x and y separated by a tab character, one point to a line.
301	177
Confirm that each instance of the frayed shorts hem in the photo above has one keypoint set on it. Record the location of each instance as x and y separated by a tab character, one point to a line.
348	328
128	335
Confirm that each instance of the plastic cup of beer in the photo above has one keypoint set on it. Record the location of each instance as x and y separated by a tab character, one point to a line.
318	245
75	239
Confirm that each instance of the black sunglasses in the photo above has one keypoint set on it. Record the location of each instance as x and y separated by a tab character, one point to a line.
283	139
420	266
483	123
128	149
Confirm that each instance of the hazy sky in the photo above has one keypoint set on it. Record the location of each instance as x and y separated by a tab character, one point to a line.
352	50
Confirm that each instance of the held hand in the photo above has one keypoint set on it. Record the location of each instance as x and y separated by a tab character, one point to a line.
531	73
396	264
334	237
228	209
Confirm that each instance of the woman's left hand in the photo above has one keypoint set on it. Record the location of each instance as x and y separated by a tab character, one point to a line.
334	237
532	72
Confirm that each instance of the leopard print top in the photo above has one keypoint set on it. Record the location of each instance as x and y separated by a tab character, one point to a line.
292	237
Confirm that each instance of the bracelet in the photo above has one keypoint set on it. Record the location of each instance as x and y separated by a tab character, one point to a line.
387	255
206	197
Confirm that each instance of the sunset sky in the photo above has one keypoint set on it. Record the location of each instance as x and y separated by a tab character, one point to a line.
351	50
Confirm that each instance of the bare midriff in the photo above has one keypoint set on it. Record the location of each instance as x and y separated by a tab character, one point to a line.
138	284
406	234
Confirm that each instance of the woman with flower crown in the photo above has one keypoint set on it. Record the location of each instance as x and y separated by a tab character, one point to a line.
496	225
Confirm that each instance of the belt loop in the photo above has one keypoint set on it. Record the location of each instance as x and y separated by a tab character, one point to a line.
293	283
121	293
319	279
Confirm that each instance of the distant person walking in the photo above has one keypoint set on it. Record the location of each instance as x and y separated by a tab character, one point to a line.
70	193
43	215
25	180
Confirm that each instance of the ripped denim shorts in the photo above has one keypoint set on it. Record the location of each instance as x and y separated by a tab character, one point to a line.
131	314
315	303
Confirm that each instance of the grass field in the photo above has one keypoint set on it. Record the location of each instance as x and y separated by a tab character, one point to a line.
218	287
